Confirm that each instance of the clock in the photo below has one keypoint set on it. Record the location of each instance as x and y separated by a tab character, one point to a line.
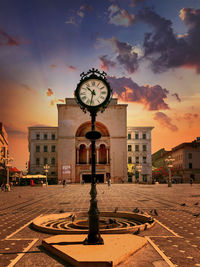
93	92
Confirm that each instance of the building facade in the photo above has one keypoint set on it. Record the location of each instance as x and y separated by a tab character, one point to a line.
186	164
3	152
43	150
72	156
139	154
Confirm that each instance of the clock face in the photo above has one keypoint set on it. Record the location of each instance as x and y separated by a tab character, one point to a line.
93	92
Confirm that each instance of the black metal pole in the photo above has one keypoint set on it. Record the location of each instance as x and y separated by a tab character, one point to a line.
94	237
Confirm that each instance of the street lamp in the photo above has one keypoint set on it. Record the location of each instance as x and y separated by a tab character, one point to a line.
46	169
169	161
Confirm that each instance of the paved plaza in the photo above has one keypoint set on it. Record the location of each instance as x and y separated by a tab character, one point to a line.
173	241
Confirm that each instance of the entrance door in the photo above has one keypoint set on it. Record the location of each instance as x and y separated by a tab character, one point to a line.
87	178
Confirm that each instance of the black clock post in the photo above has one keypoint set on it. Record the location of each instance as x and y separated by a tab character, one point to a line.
92	82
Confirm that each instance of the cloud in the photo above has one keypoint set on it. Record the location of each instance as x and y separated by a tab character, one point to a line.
106	63
120	17
167	50
7	40
72	68
53	66
12	130
133	3
76	16
189	117
126	54
152	97
49	92
177	97
71	20
55	101
165	121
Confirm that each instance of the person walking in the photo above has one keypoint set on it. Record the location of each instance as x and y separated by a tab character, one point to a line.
191	181
109	182
64	183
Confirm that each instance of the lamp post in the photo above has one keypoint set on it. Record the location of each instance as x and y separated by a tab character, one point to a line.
93	94
169	161
46	169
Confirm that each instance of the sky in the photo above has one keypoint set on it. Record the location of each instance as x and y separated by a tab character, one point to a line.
150	50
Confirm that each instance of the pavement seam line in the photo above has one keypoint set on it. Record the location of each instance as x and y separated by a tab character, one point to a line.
18	230
14	261
168	228
166	259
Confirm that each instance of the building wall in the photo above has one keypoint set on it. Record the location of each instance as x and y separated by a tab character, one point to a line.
34	166
70	117
3	152
144	167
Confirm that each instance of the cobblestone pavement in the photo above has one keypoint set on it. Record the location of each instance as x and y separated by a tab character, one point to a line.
173	241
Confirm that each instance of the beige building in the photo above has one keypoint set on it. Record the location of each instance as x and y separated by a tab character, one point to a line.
43	150
186	163
72	156
139	154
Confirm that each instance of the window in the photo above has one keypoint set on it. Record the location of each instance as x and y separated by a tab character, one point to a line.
37	136
189	155
53	173
45	161
144	159
53	136
129	147
144	136
45	148
37	148
190	165
136	136
129	160
45	136
144	178
37	161
53	148
144	148
136	147
53	161
136	159
129	136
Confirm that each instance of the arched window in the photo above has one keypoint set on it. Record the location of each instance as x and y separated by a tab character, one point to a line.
82	154
102	154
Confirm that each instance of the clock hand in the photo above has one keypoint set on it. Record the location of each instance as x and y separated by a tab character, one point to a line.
90	89
91	97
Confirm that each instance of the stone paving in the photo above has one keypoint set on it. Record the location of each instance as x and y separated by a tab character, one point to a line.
173	241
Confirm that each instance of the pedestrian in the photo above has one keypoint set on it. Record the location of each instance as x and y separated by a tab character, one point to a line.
109	182
64	183
191	181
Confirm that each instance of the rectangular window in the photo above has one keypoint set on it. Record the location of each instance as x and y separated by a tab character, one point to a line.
53	136
144	148
45	148
144	159
45	136
37	148
136	136
53	161
136	147
45	161
129	136
136	159
144	178
190	165
37	161
53	148
144	136
129	160
129	147
189	155
37	136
